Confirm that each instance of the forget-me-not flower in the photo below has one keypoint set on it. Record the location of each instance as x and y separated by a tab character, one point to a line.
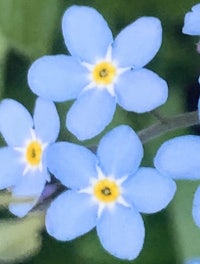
106	190
23	162
101	71
192	21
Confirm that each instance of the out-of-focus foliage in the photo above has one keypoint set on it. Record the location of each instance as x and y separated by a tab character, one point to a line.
29	25
20	238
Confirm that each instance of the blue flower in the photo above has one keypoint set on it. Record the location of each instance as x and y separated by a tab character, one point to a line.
101	71
106	190
179	159
23	162
192	21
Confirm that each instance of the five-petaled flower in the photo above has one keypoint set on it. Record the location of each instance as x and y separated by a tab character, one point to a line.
23	162
101	71
106	190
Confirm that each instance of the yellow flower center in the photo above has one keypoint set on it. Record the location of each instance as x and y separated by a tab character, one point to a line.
106	190
104	73
34	153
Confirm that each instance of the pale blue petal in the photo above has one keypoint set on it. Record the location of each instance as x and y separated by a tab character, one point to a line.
72	164
120	151
71	215
149	190
138	43
15	122
141	91
86	33
46	120
196	207
57	78
179	158
192	21
90	113
192	261
199	104
11	167
29	187
121	232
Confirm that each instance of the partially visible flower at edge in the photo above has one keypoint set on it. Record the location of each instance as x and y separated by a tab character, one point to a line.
192	21
192	25
101	71
192	261
179	159
107	190
23	162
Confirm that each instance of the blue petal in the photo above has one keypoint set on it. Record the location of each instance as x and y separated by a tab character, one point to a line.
46	120
121	232
120	151
141	90
196	207
57	78
70	215
192	261
138	43
179	158
15	122
11	168
199	104
86	33
29	187
90	113
149	191
192	22
72	164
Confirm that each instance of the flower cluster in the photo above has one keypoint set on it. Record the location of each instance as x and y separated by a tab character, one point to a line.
107	190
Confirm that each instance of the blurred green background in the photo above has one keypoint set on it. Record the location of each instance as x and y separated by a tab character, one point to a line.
32	28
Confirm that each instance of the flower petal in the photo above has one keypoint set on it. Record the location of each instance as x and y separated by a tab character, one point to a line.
121	232
46	120
120	151
141	90
57	78
29	187
192	22
179	158
15	122
149	191
196	207
86	33
138	43
90	113
192	261
11	168
72	164
70	215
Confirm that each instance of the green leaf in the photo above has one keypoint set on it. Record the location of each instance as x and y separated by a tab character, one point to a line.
29	26
20	238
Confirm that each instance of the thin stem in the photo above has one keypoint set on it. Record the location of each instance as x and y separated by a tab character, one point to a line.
173	123
159	116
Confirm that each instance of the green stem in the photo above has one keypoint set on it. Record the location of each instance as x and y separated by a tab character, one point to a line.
173	123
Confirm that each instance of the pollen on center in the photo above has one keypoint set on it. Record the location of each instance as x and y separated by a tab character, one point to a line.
34	153
106	190
104	73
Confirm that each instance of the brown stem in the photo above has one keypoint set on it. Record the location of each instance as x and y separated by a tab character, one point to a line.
173	123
